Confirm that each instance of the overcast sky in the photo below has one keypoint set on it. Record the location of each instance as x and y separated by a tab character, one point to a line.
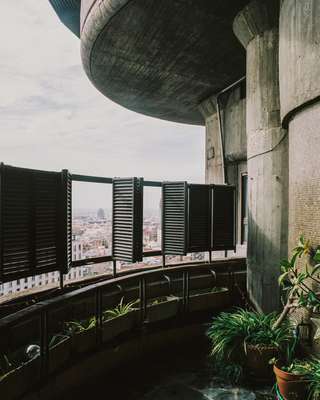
53	118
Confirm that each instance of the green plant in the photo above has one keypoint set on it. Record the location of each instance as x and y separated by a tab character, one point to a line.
295	281
312	370
56	339
74	327
120	310
229	332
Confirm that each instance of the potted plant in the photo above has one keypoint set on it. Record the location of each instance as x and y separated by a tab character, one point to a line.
59	352
82	334
208	299
247	340
118	320
162	308
19	371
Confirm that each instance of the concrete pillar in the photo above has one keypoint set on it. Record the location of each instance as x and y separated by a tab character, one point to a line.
257	28
214	156
299	60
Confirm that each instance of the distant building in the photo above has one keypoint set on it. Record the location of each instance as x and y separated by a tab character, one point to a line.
101	214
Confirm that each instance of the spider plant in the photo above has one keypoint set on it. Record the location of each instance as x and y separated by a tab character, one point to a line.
230	331
312	371
74	327
120	310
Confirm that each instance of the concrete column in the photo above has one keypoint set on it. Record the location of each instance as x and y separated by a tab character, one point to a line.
257	28
299	60
214	156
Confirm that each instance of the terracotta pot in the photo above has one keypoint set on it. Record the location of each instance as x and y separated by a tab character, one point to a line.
291	386
258	360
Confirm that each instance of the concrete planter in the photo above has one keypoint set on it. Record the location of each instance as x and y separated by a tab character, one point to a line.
84	341
209	300
116	326
20	380
166	308
59	354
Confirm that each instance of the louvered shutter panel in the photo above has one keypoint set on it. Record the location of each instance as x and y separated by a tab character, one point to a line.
127	220
65	220
174	218
223	217
199	218
30	222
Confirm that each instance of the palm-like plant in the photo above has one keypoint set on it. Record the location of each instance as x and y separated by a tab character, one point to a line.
296	282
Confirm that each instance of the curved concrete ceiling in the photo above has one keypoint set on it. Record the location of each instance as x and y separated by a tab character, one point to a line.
69	13
161	57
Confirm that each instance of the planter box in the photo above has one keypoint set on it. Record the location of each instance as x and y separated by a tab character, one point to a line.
20	380
114	327
162	310
59	355
84	341
209	300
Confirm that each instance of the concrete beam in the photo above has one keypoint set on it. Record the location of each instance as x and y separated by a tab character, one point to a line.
256	26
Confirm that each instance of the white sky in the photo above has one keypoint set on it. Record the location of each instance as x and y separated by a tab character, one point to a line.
51	117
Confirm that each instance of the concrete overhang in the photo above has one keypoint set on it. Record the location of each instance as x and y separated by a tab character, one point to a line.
161	58
69	13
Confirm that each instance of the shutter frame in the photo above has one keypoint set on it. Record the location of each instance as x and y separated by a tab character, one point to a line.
127	219
65	223
174	208
30	221
199	217
223	217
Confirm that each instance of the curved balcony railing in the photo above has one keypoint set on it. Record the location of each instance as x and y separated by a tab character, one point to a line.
37	342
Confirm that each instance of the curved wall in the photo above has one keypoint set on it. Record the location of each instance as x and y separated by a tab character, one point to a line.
299	63
299	50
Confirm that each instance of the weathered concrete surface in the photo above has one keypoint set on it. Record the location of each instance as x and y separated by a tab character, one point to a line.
257	28
214	156
69	13
299	55
162	58
304	176
300	86
233	119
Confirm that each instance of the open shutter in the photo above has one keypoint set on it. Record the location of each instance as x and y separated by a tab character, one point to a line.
127	219
223	217
30	222
199	218
174	218
65	240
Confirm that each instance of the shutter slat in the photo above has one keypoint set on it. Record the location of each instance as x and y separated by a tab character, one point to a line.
127	219
223	217
174	218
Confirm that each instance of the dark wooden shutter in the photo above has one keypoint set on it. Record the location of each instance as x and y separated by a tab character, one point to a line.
174	218
65	241
199	218
127	219
223	217
30	223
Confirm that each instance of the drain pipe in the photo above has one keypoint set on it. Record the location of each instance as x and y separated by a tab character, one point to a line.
221	128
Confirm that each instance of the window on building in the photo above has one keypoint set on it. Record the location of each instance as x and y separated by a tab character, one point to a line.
244	208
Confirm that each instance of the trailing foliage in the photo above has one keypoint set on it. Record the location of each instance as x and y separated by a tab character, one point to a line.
229	332
74	327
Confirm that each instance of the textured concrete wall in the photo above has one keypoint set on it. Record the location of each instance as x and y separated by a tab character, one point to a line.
233	119
299	59
299	54
304	167
257	29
